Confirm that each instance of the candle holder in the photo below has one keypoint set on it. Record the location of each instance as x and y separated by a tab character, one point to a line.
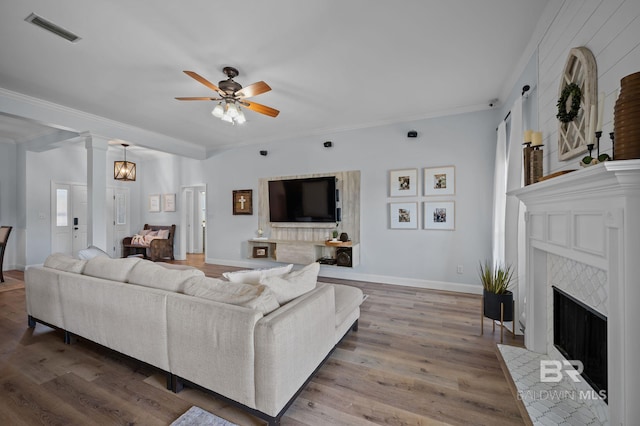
613	149
590	148
535	164
598	135
526	151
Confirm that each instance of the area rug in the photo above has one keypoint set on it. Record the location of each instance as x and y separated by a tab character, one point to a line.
196	416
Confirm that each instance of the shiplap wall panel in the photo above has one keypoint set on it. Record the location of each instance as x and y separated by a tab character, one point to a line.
611	30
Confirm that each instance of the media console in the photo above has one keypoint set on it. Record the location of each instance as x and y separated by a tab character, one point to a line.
303	252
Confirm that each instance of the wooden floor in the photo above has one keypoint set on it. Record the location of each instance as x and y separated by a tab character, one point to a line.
417	359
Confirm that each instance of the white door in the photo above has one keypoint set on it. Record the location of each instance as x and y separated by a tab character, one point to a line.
61	222
118	209
189	225
79	209
68	218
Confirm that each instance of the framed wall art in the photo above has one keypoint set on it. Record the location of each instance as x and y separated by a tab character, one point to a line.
403	215
403	183
169	202
440	180
440	215
243	201
154	203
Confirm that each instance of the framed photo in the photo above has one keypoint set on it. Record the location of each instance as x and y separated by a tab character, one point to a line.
403	215
440	180
403	183
154	203
440	215
260	251
243	201
169	202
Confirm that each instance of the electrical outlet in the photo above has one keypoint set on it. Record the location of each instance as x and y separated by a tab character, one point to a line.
460	269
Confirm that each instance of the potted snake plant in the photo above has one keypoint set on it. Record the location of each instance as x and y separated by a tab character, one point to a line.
496	281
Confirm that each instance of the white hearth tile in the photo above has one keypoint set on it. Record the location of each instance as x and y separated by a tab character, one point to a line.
548	404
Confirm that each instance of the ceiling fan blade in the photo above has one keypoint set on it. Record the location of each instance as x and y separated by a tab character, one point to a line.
254	89
262	109
202	80
197	98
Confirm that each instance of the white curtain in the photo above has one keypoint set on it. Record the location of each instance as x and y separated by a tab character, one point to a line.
500	195
514	215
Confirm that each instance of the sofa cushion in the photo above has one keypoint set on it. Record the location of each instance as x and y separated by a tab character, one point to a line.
253	276
91	252
289	286
347	300
257	297
110	269
162	275
63	262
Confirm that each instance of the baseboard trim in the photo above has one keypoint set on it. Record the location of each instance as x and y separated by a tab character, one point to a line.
349	274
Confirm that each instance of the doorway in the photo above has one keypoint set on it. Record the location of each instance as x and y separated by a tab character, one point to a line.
68	218
194	218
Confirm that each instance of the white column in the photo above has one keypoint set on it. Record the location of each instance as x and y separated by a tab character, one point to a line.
96	190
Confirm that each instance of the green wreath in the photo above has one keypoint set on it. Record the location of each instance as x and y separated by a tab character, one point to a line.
574	91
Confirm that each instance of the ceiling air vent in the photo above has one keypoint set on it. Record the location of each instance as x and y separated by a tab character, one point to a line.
51	27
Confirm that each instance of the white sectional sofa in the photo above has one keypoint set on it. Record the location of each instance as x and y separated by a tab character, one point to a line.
242	350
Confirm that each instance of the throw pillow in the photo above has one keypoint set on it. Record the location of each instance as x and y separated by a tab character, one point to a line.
294	284
251	296
144	232
163	233
253	276
63	262
91	252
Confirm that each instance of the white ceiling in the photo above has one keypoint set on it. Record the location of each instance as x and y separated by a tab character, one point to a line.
332	65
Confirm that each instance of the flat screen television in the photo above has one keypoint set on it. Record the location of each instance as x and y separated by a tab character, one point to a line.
303	200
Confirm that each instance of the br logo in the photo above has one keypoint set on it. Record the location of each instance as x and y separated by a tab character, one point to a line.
551	370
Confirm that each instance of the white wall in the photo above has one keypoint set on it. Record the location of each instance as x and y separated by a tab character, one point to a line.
417	257
65	165
611	30
9	201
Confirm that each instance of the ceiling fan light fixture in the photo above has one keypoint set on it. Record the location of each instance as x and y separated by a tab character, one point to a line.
226	117
218	111
232	109
240	119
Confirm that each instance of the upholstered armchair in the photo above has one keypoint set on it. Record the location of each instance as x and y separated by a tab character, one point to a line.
4	237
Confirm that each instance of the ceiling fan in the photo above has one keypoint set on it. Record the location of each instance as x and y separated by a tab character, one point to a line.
231	96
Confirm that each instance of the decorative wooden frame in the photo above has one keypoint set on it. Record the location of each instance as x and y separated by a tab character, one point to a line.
169	202
403	183
260	252
243	202
403	215
580	69
440	215
154	203
440	180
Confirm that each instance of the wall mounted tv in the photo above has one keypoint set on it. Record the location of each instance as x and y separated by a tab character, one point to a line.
303	200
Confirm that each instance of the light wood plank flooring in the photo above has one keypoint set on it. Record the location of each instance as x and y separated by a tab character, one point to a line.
417	359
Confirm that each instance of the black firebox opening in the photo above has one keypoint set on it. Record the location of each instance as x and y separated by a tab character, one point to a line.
580	333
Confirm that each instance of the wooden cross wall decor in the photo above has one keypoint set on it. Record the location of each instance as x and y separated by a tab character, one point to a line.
243	201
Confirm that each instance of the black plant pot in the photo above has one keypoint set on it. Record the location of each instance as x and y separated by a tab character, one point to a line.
492	303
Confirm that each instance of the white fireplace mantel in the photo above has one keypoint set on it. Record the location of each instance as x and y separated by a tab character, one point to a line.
590	217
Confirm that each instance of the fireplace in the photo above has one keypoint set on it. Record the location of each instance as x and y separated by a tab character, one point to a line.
580	333
583	237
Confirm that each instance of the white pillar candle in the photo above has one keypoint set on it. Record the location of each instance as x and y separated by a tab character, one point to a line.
601	98
527	136
536	138
592	124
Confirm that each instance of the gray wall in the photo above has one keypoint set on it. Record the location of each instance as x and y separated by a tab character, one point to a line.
9	200
416	257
